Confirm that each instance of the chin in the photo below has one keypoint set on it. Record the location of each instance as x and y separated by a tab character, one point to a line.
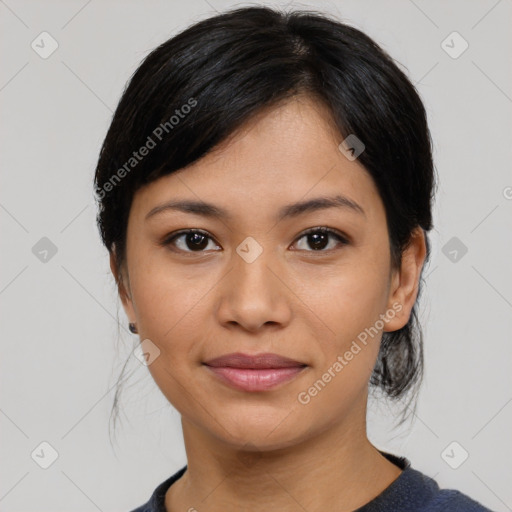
259	433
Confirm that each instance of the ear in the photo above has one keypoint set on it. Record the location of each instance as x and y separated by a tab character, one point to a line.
405	281
123	289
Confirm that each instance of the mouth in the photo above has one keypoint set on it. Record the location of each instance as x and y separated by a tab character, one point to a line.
260	372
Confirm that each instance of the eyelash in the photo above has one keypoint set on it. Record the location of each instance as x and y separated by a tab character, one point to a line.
343	240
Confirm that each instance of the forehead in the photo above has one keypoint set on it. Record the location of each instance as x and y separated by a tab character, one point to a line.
282	155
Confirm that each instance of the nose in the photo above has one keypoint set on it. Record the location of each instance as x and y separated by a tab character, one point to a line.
253	295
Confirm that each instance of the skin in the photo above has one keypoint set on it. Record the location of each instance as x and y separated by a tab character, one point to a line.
265	450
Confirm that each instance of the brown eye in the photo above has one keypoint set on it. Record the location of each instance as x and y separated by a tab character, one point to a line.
190	241
320	239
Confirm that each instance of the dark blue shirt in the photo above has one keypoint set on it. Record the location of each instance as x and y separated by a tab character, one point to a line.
412	491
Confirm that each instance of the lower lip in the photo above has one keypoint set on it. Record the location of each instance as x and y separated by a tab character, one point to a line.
253	379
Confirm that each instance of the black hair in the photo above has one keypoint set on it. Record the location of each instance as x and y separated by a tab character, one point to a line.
193	91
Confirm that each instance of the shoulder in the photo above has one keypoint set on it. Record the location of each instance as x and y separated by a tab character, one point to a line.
147	507
156	502
414	490
451	500
432	498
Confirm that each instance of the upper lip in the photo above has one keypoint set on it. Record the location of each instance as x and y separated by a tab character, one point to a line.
267	360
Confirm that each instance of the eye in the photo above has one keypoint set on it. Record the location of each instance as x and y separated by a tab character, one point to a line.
319	239
189	240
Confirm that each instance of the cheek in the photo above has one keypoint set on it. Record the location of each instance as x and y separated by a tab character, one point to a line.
351	296
349	302
168	309
167	301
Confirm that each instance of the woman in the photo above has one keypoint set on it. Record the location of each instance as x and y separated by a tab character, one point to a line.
265	194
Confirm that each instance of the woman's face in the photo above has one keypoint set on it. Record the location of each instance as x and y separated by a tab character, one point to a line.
254	283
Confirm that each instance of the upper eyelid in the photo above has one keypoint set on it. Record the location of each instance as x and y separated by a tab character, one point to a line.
330	231
168	239
342	238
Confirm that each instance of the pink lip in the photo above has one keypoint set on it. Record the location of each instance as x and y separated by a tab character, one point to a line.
267	360
255	380
254	373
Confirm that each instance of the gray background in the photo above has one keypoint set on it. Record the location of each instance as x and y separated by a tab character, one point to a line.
61	353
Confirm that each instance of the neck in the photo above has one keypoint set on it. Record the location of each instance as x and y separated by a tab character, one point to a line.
338	469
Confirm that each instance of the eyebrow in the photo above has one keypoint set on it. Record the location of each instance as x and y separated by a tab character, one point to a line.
291	210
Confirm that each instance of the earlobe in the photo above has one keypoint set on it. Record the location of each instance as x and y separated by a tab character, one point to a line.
405	281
